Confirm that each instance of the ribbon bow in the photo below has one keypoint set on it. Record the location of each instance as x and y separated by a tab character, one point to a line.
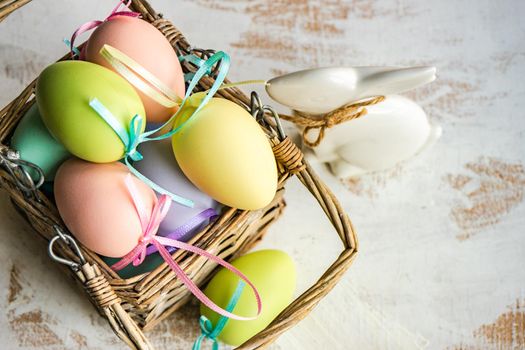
131	138
207	332
93	24
340	115
207	329
150	225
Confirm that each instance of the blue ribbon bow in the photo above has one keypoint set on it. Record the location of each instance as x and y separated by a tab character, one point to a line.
130	138
207	329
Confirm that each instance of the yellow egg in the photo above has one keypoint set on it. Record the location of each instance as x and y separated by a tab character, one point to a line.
225	153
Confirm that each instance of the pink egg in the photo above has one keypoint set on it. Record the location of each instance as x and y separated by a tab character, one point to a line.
147	46
96	206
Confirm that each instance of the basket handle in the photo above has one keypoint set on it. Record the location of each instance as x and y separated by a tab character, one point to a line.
98	287
109	304
9	6
291	158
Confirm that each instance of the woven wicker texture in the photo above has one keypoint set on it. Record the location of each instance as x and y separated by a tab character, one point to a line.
137	304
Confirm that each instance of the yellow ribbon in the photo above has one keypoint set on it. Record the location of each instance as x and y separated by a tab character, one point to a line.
140	77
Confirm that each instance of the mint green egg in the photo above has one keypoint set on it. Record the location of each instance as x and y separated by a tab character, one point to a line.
35	144
273	274
150	263
47	189
63	93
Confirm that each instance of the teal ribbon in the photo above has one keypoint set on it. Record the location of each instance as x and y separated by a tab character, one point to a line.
220	57
196	61
207	329
132	137
76	51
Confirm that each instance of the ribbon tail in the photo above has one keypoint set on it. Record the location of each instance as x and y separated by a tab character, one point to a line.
181	200
130	143
128	258
224	66
117	11
180	231
231	305
242	83
159	213
110	119
160	242
198	342
120	3
203	70
75	52
82	29
140	77
210	332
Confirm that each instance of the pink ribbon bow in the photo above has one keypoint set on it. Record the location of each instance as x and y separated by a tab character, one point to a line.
150	225
93	24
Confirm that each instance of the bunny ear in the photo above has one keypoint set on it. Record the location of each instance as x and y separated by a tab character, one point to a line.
397	80
314	91
322	90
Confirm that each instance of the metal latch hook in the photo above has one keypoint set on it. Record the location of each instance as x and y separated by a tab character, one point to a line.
72	244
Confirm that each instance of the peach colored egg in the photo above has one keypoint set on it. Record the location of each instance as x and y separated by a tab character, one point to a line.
96	206
147	46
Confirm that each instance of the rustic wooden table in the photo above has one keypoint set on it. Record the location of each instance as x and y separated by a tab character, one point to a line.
442	256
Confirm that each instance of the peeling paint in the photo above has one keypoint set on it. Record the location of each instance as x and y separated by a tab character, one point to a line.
178	331
370	185
32	329
491	189
14	284
508	330
79	339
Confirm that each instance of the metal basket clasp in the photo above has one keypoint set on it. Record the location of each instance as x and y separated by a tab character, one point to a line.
71	243
18	169
258	111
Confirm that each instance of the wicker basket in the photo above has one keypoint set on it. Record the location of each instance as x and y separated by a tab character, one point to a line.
139	303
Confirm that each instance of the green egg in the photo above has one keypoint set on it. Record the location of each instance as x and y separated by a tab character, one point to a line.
35	144
63	92
273	274
150	263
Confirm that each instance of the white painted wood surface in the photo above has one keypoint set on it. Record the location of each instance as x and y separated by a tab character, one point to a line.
442	244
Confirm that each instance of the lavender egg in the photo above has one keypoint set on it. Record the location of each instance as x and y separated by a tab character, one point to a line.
160	166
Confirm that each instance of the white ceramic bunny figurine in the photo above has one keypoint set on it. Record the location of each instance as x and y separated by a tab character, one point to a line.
392	131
